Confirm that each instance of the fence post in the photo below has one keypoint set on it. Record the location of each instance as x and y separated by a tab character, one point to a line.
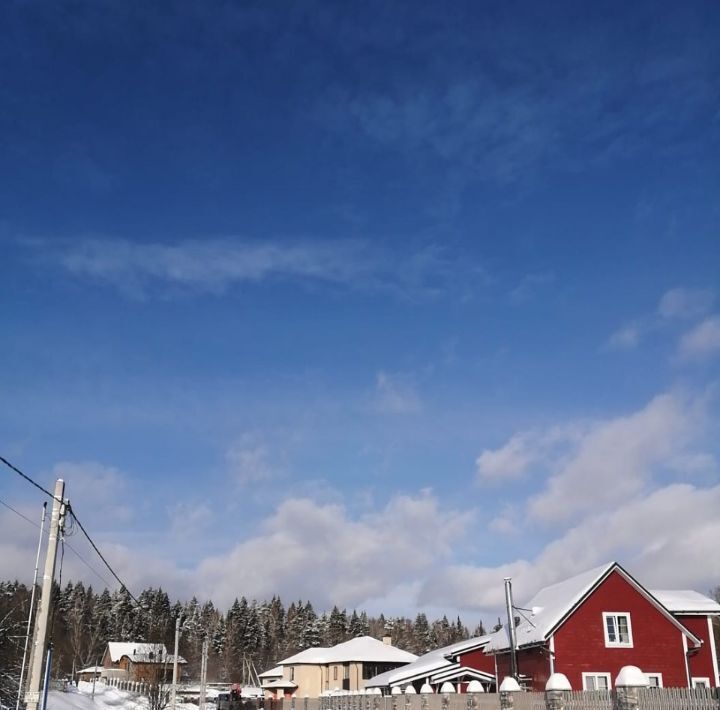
557	691
627	683
508	688
474	687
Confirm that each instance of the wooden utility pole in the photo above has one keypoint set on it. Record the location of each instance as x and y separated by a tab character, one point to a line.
35	673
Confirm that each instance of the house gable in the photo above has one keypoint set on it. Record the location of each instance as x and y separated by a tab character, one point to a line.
581	645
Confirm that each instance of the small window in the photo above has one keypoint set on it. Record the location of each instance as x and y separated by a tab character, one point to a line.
654	680
618	630
701	682
292	672
596	681
335	673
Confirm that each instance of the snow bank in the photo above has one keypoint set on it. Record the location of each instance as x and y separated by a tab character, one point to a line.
106	698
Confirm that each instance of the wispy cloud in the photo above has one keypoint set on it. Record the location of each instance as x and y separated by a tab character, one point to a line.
250	460
530	285
625	338
676	304
215	265
396	394
686	302
702	342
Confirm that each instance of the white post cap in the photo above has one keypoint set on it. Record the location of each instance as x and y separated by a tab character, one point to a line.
410	690
396	690
558	681
509	685
475	686
426	688
631	677
447	687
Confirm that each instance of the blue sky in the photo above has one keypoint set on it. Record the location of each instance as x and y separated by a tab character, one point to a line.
409	295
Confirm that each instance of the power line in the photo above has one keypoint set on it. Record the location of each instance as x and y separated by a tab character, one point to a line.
69	546
71	512
27	478
101	556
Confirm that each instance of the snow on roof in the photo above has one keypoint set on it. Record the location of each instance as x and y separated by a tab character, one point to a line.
272	673
280	683
364	648
141	652
686	600
425	665
548	607
91	669
552	604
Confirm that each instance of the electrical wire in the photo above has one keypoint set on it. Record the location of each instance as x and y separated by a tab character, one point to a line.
28	479
71	512
69	546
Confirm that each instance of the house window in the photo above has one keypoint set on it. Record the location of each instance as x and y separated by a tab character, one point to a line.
654	680
335	673
292	672
701	682
596	681
618	630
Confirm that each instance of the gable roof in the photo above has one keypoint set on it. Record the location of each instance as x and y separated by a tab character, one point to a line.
441	659
141	652
552	605
272	673
686	601
364	648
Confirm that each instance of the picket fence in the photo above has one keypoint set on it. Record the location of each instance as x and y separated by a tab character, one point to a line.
647	699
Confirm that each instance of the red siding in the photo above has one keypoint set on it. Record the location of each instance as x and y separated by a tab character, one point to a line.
701	662
479	660
532	662
657	643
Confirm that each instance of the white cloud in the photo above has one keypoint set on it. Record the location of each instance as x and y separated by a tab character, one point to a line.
522	451
396	394
703	341
626	338
250	461
615	458
668	538
322	553
586	464
685	302
96	490
215	265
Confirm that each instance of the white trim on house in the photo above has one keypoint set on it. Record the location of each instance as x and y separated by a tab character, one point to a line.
713	652
552	654
616	615
657	676
687	663
701	682
595	675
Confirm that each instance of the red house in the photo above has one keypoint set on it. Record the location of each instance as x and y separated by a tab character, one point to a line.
590	626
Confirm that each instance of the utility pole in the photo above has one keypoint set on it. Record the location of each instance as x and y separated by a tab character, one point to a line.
32	606
173	692
203	674
32	696
511	627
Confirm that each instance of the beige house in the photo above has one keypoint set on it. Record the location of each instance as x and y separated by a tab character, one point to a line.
346	666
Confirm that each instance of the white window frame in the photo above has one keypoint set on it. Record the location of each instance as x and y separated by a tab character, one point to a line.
700	682
585	677
615	614
659	679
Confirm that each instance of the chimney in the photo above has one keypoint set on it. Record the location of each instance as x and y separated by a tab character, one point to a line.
387	640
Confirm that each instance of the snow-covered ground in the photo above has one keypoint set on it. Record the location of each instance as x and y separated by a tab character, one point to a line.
106	698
